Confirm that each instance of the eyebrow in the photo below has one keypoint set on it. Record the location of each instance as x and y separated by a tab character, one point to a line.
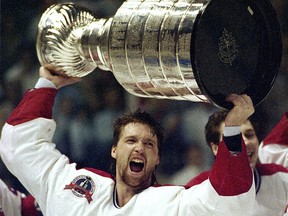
144	139
249	130
149	140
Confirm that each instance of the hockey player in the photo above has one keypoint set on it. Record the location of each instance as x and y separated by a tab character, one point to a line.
15	203
62	189
271	180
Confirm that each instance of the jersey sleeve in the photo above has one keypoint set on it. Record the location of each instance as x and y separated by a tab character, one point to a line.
26	142
231	174
274	148
227	187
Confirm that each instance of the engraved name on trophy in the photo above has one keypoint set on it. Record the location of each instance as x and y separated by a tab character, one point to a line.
196	50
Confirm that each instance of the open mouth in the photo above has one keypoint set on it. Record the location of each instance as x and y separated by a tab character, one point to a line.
136	165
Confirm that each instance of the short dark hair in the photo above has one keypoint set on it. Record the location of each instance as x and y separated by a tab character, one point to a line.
137	116
212	128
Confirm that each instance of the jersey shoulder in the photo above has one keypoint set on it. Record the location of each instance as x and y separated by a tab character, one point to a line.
198	179
270	169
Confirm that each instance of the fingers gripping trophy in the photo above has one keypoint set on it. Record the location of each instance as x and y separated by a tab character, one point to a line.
196	50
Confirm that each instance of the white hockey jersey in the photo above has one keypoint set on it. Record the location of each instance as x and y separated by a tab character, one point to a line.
62	189
15	203
274	148
271	189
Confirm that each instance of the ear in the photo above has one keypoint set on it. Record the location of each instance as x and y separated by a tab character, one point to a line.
214	148
113	151
158	161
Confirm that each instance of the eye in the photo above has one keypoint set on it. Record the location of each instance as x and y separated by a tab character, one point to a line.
149	144
250	135
130	141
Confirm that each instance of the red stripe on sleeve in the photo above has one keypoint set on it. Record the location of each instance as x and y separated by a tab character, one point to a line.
35	103
197	179
231	175
270	169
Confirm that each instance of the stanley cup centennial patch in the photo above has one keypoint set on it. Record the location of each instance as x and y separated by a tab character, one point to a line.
82	186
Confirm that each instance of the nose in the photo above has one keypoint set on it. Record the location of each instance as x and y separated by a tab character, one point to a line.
139	146
249	143
246	141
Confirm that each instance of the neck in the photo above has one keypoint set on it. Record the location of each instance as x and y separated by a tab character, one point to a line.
123	195
124	192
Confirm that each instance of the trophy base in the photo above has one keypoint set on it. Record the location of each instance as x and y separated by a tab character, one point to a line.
236	48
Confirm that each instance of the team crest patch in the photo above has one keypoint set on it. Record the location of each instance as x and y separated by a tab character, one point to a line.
82	186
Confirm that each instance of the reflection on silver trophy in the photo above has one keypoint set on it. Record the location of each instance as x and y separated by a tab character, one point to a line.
165	48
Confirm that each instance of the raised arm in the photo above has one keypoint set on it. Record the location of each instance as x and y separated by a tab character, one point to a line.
231	173
26	147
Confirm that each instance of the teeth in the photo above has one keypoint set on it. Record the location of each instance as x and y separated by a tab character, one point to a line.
249	154
137	161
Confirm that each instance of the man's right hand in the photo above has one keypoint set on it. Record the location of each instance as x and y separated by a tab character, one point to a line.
58	80
242	110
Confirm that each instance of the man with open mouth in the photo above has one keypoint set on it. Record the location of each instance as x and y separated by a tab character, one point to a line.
131	188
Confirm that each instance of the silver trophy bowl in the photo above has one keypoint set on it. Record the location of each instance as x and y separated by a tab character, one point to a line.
193	50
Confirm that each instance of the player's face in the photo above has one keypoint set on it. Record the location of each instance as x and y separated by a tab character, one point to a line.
251	141
136	155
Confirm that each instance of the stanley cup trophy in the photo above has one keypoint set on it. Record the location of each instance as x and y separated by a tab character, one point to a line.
196	50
